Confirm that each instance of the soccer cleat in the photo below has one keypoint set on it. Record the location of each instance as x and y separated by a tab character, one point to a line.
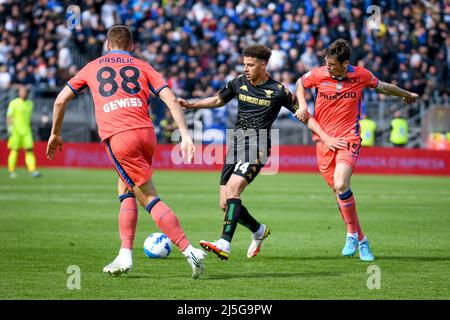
196	260
35	174
216	248
255	245
116	268
365	254
13	175
351	245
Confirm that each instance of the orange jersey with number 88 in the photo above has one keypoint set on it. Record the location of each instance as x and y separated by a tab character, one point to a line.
120	85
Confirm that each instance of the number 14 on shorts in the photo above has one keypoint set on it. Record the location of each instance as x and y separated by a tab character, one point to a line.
242	167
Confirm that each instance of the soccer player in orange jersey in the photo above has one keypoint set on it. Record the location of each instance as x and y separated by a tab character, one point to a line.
120	86
339	89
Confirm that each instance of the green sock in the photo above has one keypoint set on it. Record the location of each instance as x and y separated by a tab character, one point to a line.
231	218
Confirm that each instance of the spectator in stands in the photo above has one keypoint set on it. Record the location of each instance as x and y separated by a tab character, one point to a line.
368	130
439	141
167	125
399	130
5	77
191	39
45	128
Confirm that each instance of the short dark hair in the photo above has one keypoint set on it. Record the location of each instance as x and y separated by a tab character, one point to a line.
339	49
120	36
258	51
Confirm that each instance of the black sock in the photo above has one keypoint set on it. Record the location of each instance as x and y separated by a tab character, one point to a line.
230	222
246	219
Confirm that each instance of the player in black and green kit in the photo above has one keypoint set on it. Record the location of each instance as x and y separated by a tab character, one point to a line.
260	100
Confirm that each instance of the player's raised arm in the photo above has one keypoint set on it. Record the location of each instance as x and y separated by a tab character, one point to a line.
187	146
59	108
392	90
210	102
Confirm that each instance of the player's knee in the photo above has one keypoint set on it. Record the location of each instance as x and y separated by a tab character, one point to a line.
340	186
233	191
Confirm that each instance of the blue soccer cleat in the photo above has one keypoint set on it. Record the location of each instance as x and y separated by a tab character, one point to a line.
35	174
351	245
365	254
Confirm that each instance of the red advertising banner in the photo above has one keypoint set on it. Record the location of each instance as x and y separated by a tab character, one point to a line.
373	160
290	159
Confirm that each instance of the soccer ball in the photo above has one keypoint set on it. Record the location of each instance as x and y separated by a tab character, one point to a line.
157	245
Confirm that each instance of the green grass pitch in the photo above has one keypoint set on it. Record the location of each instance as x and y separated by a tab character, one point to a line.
69	217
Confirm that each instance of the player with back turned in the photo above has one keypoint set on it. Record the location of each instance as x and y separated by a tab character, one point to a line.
120	85
260	99
339	87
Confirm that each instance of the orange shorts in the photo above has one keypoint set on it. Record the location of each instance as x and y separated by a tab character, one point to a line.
327	159
131	153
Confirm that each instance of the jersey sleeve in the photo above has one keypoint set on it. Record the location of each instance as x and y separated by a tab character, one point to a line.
155	80
79	82
229	91
288	100
309	79
369	80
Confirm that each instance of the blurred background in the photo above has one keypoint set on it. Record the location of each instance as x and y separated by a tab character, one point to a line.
197	46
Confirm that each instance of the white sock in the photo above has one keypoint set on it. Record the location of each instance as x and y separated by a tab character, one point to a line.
125	255
224	244
187	251
260	233
353	235
363	240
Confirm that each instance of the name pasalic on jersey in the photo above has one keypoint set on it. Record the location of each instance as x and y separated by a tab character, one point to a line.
338	95
115	60
122	103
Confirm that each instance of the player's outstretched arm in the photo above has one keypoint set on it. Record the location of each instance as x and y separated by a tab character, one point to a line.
187	146
210	102
392	90
59	108
333	143
302	112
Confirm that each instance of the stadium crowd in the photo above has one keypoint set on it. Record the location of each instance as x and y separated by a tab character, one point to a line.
197	44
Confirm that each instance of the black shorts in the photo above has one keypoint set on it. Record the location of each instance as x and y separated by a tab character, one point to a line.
241	165
245	170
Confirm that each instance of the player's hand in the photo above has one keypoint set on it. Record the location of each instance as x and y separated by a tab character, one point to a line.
302	114
184	103
187	148
334	143
411	98
54	142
